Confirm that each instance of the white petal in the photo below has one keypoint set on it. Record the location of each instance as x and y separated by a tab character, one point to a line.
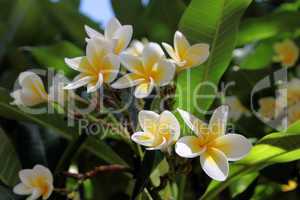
16	95
152	53
142	138
74	63
92	32
35	195
123	36
78	83
111	69
215	164
128	80
188	147
161	145
196	125
112	26
170	51
44	172
234	146
93	88
166	72
32	83
148	121
132	63
49	192
169	126
197	54
144	89
96	50
218	121
26	176
22	189
181	44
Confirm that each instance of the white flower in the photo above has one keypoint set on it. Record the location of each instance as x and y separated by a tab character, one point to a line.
136	47
149	70
211	144
159	131
185	55
119	36
97	67
37	182
32	90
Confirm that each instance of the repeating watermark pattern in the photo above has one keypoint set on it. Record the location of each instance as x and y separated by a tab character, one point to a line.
73	104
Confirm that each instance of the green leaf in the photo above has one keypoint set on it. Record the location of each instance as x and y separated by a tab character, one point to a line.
150	162
254	29
10	163
214	22
260	57
52	56
6	193
57	123
274	148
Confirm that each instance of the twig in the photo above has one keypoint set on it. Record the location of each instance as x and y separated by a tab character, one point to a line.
97	170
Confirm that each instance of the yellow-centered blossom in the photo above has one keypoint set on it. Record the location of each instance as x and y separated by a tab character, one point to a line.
214	147
185	55
36	182
236	107
97	67
32	91
287	52
150	70
159	131
119	36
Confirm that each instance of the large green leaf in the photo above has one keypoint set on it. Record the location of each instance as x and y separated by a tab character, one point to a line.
57	123
254	29
274	148
53	56
214	22
10	163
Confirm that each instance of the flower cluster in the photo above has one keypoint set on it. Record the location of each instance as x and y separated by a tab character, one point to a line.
210	142
147	67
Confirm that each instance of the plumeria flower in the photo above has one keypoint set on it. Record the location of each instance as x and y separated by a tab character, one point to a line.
287	53
214	147
185	55
149	70
159	131
291	91
36	182
293	113
136	47
97	67
32	90
268	107
119	36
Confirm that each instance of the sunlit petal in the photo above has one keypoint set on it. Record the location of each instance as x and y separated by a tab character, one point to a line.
152	53
111	68
189	147
170	51
92	88
166	71
196	55
234	146
215	164
143	138
132	63
74	63
148	121
78	83
123	35
196	125
112	26
22	189
92	32
181	44
169	126
218	121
